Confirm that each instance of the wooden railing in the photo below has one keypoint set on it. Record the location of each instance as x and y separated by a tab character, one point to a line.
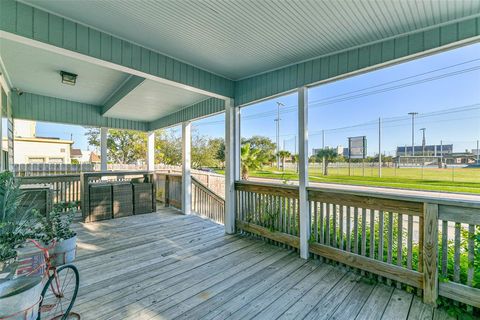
206	203
426	243
65	188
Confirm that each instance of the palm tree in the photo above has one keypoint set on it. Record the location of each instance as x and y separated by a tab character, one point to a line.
250	159
328	154
283	154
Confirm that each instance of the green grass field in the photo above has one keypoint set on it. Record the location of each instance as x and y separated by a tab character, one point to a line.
464	180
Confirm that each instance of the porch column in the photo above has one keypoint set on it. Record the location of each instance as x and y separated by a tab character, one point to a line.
303	170
186	169
232	161
103	148
151	151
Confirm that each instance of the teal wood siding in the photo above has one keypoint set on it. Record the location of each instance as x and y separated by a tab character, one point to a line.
33	23
203	108
42	108
312	71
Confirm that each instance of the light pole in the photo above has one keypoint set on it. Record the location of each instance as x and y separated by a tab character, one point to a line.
423	141
277	120
413	114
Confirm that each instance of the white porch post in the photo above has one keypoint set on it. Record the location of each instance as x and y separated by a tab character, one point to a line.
151	151
232	161
303	171
186	168
103	148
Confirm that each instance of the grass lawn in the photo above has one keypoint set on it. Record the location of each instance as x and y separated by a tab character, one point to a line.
465	180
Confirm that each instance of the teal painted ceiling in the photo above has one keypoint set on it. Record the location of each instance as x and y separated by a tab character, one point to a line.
37	71
240	38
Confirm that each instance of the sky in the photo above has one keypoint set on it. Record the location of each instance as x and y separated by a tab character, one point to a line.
443	88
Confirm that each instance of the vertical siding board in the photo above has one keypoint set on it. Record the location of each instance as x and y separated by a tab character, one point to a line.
364	57
183	73
82	39
431	39
162	66
145	61
388	50
324	68
55	30
136	57
106	47
189	75
8	16
94	43
168	68
466	29
126	54
352	60
332	66
375	54
308	72
153	65
176	71
292	77
415	43
316	70
448	34
117	51
40	25
342	63
300	74
24	20
401	47
69	35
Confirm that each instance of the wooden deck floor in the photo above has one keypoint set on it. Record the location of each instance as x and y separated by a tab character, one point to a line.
169	266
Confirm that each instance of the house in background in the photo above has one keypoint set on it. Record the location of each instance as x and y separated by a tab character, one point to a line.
84	156
32	149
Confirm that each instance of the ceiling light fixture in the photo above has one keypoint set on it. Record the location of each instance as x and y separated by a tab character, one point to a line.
68	78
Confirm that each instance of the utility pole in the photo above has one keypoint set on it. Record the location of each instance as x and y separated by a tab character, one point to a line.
413	114
441	152
279	104
380	147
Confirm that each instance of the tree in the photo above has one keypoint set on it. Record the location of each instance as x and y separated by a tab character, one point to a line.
250	159
168	147
124	146
283	154
329	154
265	146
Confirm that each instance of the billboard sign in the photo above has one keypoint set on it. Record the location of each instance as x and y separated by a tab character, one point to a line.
357	147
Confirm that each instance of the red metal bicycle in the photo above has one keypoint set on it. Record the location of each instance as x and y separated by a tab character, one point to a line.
61	288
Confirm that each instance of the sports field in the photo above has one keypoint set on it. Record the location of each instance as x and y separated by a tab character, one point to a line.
465	180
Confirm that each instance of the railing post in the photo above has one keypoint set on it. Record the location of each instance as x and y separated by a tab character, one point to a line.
303	171
232	162
186	168
167	190
103	148
430	250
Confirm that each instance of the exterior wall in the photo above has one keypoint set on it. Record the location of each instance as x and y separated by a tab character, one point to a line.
30	106
33	23
197	110
26	149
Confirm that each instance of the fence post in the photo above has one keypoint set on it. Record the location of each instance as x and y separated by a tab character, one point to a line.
167	190
430	249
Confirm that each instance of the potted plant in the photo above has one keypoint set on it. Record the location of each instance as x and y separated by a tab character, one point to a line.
17	294
56	226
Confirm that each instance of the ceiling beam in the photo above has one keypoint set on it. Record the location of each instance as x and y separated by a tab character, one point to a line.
128	86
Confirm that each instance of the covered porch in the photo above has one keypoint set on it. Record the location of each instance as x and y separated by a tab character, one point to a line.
275	251
185	267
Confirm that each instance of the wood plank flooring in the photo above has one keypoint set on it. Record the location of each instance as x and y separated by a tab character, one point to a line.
169	266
